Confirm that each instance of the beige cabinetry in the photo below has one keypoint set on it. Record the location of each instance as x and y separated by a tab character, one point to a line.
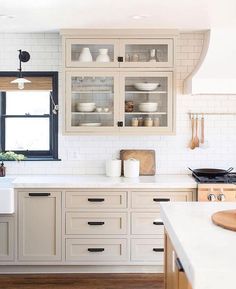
134	51
83	223
96	226
88	227
96	250
175	277
39	225
6	238
147	229
118	76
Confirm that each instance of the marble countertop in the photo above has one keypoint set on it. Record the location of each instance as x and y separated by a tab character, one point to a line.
101	181
207	252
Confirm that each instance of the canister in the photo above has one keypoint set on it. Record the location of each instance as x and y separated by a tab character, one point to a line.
131	168
113	168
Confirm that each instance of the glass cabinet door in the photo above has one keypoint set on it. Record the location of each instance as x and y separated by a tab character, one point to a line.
147	101
92	53
91	102
147	53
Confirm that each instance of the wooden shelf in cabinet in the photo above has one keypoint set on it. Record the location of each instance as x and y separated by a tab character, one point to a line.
146	91
91	91
136	112
91	113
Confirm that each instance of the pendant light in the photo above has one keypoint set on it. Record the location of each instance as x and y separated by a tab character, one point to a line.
24	56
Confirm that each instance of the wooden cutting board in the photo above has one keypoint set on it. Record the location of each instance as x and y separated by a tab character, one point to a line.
147	160
225	219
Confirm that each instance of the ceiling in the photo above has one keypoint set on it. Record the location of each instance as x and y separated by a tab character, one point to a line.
53	15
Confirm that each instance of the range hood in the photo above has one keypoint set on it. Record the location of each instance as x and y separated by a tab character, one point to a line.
216	70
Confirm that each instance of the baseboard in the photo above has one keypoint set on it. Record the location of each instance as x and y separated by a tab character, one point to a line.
79	269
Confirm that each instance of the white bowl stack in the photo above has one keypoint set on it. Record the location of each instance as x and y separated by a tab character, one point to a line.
86	106
148	106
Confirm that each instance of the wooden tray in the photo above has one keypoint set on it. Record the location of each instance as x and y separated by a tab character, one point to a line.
225	219
146	157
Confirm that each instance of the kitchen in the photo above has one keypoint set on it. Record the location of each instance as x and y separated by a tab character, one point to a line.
82	157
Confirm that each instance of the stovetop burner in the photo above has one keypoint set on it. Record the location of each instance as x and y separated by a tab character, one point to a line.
230	178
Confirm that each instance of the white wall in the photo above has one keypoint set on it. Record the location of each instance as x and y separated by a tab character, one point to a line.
87	154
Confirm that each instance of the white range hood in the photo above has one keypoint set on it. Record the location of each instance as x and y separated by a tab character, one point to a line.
216	71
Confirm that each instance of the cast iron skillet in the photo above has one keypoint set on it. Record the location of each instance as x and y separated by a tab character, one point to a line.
210	172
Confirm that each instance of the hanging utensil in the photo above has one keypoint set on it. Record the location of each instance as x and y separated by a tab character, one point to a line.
202	130
192	143
196	139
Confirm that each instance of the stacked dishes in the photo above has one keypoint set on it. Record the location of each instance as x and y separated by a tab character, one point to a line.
146	86
148	106
86	106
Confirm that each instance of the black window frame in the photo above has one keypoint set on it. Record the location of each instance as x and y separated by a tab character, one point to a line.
52	153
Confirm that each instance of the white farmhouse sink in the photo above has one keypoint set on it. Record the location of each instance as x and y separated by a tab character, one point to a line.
6	196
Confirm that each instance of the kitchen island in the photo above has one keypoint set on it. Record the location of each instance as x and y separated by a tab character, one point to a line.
207	252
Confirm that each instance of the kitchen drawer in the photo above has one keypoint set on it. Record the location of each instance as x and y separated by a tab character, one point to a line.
151	200
147	224
96	223
147	250
96	250
96	200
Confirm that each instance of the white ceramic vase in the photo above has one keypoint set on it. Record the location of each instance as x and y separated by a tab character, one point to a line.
103	55
85	55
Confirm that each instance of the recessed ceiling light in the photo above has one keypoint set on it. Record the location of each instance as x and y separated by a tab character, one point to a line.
141	16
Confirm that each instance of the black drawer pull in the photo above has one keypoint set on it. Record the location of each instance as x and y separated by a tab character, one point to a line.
161	200
179	265
39	194
158	249
96	223
97	200
158	223
96	249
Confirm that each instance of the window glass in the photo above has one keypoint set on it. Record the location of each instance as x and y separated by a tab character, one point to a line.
27	134
27	102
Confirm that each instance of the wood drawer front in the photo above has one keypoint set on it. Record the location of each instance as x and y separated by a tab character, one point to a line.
96	223
147	250
96	200
149	200
96	250
147	224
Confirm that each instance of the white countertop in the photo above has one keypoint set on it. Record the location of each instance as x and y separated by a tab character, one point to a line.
101	181
207	252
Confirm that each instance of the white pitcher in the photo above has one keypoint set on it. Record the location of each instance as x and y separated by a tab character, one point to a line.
85	55
103	55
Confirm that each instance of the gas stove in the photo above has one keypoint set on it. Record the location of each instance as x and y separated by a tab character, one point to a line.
230	178
216	189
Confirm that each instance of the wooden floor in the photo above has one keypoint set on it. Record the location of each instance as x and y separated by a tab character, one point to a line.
82	281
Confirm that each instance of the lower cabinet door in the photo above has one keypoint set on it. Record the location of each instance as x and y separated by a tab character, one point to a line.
147	250
6	238
39	226
97	250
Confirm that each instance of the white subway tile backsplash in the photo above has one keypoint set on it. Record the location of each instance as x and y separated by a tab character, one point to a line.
87	154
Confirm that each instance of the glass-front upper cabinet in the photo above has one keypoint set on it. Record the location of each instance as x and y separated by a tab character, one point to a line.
92	52
92	101
147	104
147	53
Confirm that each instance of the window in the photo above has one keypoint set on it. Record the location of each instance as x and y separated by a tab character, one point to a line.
29	117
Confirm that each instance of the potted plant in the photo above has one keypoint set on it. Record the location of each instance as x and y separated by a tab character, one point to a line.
9	156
